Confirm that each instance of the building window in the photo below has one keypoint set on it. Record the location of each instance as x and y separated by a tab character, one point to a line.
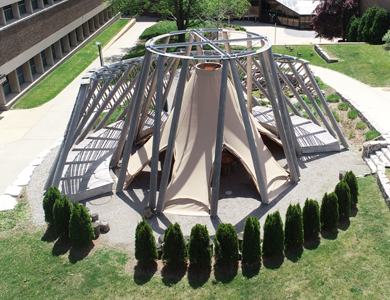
32	66
43	56
62	46
22	7
34	4
45	2
8	12
53	51
70	43
19	72
6	86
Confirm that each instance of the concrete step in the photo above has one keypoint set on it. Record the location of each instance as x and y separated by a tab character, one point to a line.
386	152
375	159
370	164
382	158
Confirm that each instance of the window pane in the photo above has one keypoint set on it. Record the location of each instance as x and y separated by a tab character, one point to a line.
53	51
19	72
43	56
6	86
8	12
22	7
34	4
32	66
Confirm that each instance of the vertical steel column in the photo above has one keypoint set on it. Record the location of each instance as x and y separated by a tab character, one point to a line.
249	134
326	107
286	146
219	140
172	135
156	133
249	76
130	125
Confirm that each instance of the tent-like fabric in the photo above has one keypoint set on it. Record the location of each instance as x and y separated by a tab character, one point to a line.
189	190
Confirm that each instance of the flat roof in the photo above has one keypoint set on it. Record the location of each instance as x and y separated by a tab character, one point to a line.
301	7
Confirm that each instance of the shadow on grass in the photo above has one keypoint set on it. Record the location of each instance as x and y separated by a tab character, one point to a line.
294	254
273	262
354	211
330	234
197	277
172	276
61	246
143	274
77	253
344	225
250	270
312	244
49	235
225	274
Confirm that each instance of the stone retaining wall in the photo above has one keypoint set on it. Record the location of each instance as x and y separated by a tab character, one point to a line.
383	183
324	55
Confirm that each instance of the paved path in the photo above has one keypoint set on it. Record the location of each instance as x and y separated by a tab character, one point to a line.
24	134
373	103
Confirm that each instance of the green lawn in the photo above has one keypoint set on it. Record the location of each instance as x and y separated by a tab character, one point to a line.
352	263
55	82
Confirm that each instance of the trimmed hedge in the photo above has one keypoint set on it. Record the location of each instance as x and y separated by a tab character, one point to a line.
329	211
344	199
62	210
80	227
226	244
251	248
199	249
48	202
273	243
351	180
174	249
293	230
311	219
145	244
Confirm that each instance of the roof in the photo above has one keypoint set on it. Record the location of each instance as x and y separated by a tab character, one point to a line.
301	7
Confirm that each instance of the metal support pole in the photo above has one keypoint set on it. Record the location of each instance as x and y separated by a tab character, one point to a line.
292	107
249	134
249	75
286	147
172	136
156	133
171	78
219	140
130	129
326	107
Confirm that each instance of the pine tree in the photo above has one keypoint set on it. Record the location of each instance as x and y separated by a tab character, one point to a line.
174	249
251	248
199	247
351	180
379	26
311	219
273	243
226	244
80	227
62	210
344	199
329	211
48	202
145	244
293	231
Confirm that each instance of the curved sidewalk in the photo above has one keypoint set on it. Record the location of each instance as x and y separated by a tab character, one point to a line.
373	103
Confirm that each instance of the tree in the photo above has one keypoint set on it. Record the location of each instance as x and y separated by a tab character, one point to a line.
329	211
332	18
379	26
48	202
293	232
145	244
174	249
226	244
370	13
80	227
199	247
351	180
344	199
62	210
311	219
251	249
353	26
273	243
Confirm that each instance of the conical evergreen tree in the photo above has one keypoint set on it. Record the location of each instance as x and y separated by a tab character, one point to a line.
293	232
251	248
311	219
80	227
145	244
226	244
273	243
62	210
48	202
351	180
174	249
329	211
344	199
199	247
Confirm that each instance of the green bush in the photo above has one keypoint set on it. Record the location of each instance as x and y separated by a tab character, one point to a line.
62	210
251	248
311	219
343	106
352	114
226	244
48	202
344	199
158	29
174	249
386	39
293	228
273	243
362	25
145	244
371	134
80	227
329	211
379	26
361	125
353	26
352	134
199	247
333	98
371	13
336	116
351	180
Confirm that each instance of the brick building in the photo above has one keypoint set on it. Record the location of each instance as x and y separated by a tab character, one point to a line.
36	34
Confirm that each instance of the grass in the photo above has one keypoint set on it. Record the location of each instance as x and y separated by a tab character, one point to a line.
361	125
10	219
333	98
60	78
352	134
351	263
353	114
371	134
343	106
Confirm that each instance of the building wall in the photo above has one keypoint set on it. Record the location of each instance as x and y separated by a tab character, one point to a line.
365	4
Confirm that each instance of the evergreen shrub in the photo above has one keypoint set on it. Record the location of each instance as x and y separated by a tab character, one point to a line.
379	27
351	180
371	13
62	210
311	219
145	244
199	249
353	26
48	202
371	134
293	232
174	249
273	243
251	248
226	244
386	39
329	211
80	226
362	25
344	199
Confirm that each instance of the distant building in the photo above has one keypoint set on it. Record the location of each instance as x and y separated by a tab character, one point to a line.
36	34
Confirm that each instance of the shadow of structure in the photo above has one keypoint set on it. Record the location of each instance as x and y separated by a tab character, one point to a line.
172	276
225	274
250	270
143	274
76	254
198	277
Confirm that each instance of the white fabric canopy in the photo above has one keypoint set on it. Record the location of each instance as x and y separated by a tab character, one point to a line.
301	7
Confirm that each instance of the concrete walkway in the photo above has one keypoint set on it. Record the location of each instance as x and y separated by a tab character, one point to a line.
373	103
24	134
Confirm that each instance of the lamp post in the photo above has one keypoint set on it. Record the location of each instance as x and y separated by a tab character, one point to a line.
100	52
